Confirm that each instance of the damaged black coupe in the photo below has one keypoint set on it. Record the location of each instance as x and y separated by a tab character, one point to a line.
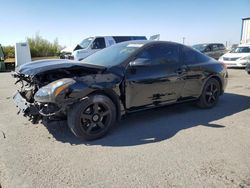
94	93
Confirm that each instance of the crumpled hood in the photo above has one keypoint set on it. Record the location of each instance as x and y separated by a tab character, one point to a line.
36	67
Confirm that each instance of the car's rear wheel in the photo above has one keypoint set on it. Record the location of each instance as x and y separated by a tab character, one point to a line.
210	94
92	118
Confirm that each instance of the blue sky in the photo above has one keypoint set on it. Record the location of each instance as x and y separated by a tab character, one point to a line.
71	21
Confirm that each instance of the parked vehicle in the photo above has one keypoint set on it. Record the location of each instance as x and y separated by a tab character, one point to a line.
214	50
118	80
239	57
233	47
93	44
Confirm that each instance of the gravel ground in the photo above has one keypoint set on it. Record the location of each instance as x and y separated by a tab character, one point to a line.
175	146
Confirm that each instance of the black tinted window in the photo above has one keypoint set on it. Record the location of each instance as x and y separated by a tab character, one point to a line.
160	54
191	56
221	46
127	38
215	47
99	43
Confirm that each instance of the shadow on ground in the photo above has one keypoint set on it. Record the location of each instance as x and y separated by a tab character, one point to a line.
158	124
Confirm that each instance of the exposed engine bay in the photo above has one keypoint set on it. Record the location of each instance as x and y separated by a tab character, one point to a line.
29	84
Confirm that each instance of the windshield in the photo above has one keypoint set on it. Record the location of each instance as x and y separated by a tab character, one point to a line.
241	50
113	55
200	47
86	42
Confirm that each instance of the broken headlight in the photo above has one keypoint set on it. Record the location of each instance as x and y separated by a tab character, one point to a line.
48	93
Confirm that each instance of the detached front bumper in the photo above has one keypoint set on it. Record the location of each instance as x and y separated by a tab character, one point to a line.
28	109
36	111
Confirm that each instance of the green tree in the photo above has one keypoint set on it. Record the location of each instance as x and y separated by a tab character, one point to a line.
40	47
9	51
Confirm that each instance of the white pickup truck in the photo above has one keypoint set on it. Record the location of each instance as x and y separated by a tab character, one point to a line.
93	44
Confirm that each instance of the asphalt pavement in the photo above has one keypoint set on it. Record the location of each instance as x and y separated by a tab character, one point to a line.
175	146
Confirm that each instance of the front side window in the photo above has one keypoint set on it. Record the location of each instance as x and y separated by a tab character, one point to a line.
161	54
99	43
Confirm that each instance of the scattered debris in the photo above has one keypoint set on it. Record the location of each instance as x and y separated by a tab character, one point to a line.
4	136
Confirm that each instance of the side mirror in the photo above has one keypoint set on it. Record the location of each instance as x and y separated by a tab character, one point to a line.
140	62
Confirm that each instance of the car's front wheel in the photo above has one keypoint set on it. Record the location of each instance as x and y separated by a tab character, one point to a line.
92	117
210	94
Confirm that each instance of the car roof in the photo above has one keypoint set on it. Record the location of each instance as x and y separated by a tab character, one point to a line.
149	42
208	44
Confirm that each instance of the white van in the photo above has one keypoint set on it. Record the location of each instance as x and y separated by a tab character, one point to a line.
93	44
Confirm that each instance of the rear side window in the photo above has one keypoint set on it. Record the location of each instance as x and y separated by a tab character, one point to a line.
192	57
99	43
215	47
221	47
161	54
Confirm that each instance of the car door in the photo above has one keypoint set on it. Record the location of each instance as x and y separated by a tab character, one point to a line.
195	62
98	44
155	77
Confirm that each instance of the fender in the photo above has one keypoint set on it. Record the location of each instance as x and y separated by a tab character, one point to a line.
217	77
107	84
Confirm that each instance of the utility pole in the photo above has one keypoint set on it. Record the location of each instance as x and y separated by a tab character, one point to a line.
183	40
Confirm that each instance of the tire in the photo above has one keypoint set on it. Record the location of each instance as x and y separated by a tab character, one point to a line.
92	118
210	94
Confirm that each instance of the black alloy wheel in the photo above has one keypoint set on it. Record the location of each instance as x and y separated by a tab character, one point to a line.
210	94
93	117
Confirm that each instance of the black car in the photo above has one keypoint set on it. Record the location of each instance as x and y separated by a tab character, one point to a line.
130	76
214	50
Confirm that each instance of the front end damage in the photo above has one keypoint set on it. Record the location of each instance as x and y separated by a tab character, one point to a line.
24	97
36	100
40	97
